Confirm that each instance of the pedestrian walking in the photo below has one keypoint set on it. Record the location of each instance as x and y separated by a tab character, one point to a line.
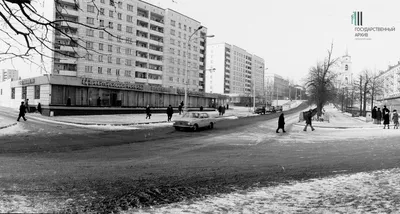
281	123
395	119
220	110
378	116
170	112
148	112
99	101
373	115
39	108
201	108
69	101
386	117
22	111
180	109
308	121
223	110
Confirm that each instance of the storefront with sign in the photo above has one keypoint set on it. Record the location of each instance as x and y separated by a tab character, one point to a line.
68	95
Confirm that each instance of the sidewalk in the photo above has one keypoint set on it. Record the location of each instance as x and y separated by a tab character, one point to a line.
339	120
234	112
6	122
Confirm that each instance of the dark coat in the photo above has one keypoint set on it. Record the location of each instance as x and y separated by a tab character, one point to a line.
386	116
69	102
22	109
148	111
170	111
308	117
180	107
373	113
281	121
378	114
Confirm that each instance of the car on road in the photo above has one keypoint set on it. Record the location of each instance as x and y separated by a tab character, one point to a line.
260	110
279	108
194	121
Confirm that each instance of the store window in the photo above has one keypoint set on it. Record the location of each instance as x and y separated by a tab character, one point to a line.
23	93
37	91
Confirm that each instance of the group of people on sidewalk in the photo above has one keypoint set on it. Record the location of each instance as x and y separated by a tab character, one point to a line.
170	111
307	116
24	108
378	115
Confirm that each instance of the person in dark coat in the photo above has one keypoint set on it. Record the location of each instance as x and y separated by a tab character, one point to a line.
373	114
170	112
201	108
22	111
386	117
308	117
99	101
227	106
378	116
39	108
180	109
220	110
281	123
223	110
69	101
148	112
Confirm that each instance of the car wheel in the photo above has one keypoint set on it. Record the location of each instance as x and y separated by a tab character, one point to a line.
211	126
195	127
177	128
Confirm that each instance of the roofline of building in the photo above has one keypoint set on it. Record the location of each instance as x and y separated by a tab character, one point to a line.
182	15
391	67
151	4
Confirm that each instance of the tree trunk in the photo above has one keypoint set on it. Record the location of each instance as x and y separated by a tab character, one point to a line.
372	96
365	100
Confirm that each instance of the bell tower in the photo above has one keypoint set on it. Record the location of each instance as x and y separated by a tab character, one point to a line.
346	70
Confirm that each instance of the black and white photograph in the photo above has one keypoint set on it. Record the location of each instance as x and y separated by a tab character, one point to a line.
199	106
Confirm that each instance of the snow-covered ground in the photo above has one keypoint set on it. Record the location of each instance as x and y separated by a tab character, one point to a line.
366	192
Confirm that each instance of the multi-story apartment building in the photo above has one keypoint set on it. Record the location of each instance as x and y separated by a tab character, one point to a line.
390	83
276	87
8	74
232	70
141	43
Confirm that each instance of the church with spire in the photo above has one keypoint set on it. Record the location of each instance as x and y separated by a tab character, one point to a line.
345	77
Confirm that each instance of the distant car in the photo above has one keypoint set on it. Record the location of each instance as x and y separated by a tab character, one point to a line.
194	121
260	110
271	109
279	108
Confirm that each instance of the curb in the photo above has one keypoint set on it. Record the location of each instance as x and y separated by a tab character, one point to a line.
7	126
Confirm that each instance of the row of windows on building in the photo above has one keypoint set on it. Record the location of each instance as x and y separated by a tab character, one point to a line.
36	92
181	80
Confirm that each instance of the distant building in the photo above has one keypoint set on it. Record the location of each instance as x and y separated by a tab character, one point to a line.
276	87
390	80
232	70
8	74
345	73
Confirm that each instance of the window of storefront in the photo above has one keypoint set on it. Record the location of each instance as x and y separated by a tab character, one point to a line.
12	93
37	91
23	93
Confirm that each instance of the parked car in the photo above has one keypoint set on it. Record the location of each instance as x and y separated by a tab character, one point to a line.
279	108
194	121
260	110
271	109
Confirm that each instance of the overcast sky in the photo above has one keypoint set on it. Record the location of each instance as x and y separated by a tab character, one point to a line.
293	35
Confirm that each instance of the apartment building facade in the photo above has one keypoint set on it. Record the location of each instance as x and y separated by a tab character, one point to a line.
276	87
121	48
8	74
232	70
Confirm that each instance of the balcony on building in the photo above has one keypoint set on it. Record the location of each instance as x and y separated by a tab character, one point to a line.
156	30
155	59
142	46
141	54
142	35
155	69
66	33
155	49
140	77
156	40
142	13
69	24
156	18
155	81
67	9
141	66
142	25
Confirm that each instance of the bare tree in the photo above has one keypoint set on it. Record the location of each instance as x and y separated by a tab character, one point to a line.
26	32
320	82
376	88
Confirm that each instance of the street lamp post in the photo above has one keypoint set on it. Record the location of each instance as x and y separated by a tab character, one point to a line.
187	63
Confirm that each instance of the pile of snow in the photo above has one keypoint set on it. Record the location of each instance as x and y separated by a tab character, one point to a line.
13	130
372	192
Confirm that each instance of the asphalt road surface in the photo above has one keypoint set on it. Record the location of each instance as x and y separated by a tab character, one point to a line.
76	169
